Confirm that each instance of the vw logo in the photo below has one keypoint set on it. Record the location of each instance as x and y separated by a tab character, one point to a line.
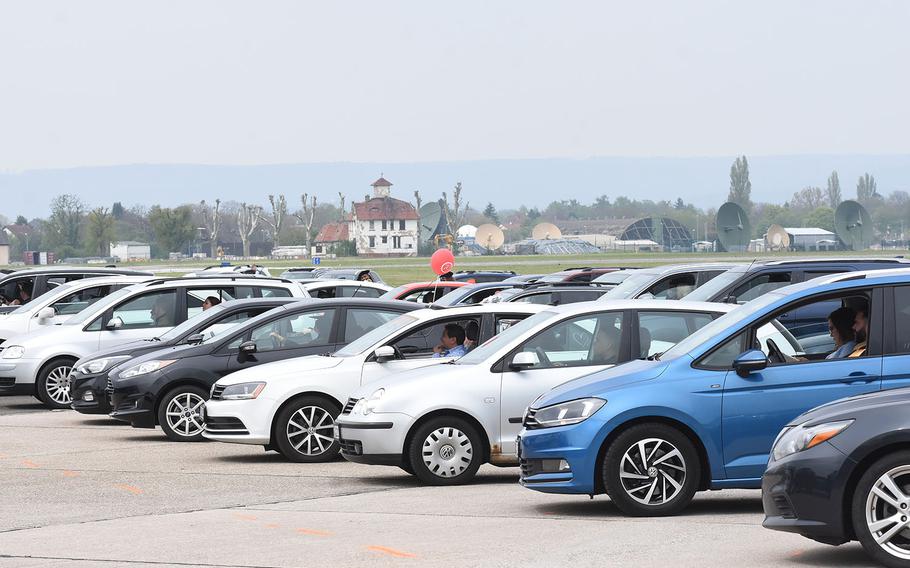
447	452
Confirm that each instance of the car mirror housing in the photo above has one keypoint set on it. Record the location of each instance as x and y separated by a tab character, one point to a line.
384	353
749	362
46	313
114	323
524	360
248	347
195	339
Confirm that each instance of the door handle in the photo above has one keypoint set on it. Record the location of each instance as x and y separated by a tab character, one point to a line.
858	378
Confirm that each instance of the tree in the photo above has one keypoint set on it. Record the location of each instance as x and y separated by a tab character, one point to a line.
680	204
490	213
454	213
117	210
808	198
822	218
248	219
173	228
100	230
834	193
20	220
866	189
276	219
65	222
740	186
419	201
211	218
305	216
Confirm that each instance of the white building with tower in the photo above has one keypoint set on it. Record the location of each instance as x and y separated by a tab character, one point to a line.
383	225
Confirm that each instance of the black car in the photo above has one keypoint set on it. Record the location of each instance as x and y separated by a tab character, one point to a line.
37	281
168	387
553	294
348	274
480	276
88	380
841	472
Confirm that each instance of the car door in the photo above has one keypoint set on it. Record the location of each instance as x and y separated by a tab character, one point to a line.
565	350
142	316
896	360
757	406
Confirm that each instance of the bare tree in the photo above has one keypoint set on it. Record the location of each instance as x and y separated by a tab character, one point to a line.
305	216
211	218
341	210
455	213
276	220
248	219
419	202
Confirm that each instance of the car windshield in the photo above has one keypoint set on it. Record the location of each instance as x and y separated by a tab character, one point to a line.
630	285
47	299
492	345
366	341
195	321
99	306
715	286
614	277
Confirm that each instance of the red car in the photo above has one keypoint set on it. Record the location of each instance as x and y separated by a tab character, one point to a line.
585	274
421	292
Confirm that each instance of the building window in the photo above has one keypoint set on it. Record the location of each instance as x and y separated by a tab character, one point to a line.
401	224
396	242
372	225
384	227
372	242
385	240
409	246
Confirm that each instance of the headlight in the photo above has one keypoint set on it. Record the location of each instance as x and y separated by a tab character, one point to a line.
566	413
14	352
242	391
366	406
145	368
96	366
799	438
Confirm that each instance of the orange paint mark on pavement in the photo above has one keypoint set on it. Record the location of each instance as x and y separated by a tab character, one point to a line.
29	463
391	552
796	553
130	488
245	517
68	473
312	532
272	526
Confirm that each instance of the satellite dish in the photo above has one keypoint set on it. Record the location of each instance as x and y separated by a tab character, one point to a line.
777	238
432	221
853	225
733	228
466	231
546	231
489	236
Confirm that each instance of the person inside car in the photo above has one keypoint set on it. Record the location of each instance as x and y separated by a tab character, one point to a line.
471	333
860	326
161	315
605	347
451	343
23	294
840	326
365	276
210	302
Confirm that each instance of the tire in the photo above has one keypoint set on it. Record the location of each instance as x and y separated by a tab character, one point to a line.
406	465
179	413
661	485
869	507
53	385
445	451
304	430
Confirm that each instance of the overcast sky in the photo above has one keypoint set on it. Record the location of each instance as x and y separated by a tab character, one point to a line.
255	82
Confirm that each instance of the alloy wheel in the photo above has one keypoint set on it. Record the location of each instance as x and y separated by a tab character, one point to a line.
184	414
652	471
57	384
447	452
309	430
888	511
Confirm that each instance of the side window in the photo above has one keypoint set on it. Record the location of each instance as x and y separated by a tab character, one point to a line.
760	285
581	341
154	309
359	292
901	320
324	292
54	281
421	341
360	321
225	323
479	296
243	292
422	296
17	290
298	330
542	299
505	322
78	301
275	292
723	356
707	275
671	288
659	331
195	297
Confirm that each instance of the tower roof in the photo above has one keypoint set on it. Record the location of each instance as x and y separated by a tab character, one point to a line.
381	182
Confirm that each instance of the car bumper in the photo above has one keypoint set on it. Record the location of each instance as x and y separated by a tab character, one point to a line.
17	373
803	494
375	440
133	405
561	459
240	421
89	393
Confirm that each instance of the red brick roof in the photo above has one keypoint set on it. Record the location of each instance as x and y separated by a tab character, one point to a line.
381	182
333	233
380	208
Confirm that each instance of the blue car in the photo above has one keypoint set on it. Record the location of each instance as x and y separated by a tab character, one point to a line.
704	415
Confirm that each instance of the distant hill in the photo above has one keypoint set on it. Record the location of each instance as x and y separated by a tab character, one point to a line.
506	183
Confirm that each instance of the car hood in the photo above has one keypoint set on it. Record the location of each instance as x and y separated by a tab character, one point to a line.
288	369
133	348
850	407
42	336
600	383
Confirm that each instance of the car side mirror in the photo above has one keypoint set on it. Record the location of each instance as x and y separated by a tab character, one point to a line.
731	299
248	347
46	313
114	323
196	339
384	353
749	362
524	360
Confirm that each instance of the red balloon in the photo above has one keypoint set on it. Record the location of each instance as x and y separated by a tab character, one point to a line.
442	261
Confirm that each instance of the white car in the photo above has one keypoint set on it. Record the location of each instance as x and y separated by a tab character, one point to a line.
40	361
291	405
344	289
250	270
442	423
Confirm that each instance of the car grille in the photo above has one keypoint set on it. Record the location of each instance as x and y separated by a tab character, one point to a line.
226	424
351	447
109	391
530	421
7	381
217	391
784	507
349	406
529	467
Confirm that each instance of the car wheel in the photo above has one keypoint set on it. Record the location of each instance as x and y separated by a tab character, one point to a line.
54	383
180	413
304	430
651	470
445	451
881	510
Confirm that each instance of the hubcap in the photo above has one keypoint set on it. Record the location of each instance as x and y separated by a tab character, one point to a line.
652	471
183	414
447	452
310	430
886	512
58	384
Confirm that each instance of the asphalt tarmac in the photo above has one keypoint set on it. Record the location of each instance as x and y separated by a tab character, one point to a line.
84	491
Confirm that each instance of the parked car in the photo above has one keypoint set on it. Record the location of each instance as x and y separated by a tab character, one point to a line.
841	472
167	387
88	379
302	273
41	360
61	303
422	292
557	294
478	276
247	269
585	274
613	279
41	280
350	274
277	405
472	294
670	282
344	289
523	278
704	414
442	423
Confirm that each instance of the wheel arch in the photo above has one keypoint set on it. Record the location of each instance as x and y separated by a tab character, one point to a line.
46	363
440	412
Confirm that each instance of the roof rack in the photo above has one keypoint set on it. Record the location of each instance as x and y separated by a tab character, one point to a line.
216	276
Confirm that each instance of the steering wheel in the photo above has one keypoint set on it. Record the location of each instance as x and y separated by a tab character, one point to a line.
577	336
774	352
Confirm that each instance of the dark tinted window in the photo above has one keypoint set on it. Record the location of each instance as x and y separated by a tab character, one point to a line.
671	288
360	321
659	331
901	320
761	284
275	292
